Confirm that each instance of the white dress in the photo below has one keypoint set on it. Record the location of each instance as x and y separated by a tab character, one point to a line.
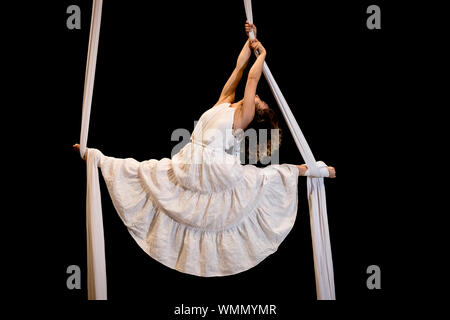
202	212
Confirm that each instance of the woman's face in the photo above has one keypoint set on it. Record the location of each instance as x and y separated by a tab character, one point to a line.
259	104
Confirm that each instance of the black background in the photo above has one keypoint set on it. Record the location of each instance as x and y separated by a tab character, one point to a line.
160	65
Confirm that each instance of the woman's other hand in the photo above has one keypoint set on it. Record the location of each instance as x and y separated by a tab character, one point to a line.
256	45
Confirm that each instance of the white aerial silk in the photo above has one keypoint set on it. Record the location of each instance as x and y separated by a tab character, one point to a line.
95	239
323	262
94	221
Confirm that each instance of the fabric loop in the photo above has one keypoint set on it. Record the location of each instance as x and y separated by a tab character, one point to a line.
320	171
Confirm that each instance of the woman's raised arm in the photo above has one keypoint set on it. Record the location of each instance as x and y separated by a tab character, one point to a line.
228	91
247	111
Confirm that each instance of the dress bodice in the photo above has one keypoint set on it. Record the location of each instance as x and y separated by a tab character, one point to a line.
214	129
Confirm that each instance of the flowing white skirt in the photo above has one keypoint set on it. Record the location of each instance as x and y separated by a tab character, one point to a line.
202	212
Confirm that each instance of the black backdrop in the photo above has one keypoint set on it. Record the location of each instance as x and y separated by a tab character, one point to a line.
160	65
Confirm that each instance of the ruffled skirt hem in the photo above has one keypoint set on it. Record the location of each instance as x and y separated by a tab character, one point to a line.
206	234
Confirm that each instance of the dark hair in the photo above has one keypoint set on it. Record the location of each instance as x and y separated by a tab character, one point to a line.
263	119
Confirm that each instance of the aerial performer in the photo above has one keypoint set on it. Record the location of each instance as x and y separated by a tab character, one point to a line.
202	212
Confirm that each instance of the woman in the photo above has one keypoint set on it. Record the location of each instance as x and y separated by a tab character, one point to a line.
202	212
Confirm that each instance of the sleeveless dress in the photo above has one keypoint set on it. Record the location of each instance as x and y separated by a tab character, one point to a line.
203	212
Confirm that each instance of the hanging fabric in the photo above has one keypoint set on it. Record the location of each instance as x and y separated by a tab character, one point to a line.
323	262
96	264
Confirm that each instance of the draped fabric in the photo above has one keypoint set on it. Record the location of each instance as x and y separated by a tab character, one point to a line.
94	226
316	191
94	221
94	35
323	263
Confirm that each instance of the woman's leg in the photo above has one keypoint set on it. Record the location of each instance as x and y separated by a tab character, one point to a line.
302	170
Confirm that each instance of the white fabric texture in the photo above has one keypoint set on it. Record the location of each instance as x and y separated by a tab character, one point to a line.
323	263
202	212
94	230
96	18
97	289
